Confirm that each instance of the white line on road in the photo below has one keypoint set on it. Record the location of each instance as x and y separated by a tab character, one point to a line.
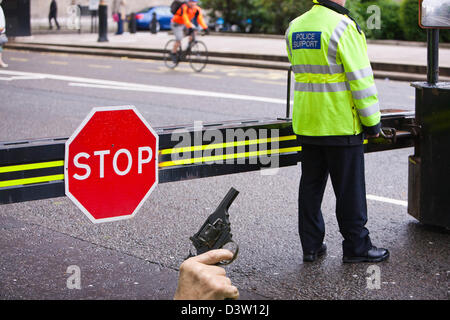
18	59
117	85
99	66
62	63
388	200
21	78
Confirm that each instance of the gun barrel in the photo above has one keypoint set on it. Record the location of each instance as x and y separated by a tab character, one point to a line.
229	198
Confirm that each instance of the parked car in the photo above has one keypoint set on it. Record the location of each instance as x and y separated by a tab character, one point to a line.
145	16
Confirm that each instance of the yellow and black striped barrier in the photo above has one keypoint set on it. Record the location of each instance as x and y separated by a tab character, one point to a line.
33	170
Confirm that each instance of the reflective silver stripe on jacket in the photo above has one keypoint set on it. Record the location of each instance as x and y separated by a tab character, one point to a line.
318	69
359	74
322	87
367	112
334	40
365	93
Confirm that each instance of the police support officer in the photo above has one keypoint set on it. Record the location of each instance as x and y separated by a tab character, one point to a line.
335	104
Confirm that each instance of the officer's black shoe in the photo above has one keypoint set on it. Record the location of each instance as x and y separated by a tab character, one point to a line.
312	256
373	255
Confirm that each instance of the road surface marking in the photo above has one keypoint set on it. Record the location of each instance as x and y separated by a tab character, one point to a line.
99	66
117	85
24	77
209	76
138	60
387	200
18	59
270	82
178	91
150	70
259	75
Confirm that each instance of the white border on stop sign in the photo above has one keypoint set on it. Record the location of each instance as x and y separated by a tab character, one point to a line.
66	163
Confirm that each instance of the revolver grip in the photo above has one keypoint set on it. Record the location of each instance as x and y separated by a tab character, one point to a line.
215	233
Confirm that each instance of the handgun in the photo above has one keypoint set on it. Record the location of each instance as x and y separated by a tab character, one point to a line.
216	231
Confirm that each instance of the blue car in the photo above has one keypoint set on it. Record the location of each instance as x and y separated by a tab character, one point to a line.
163	16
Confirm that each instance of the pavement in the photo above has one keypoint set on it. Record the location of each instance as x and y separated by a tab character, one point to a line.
390	59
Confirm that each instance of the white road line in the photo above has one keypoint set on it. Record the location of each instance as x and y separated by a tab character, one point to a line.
99	66
150	70
18	59
270	82
21	78
209	76
388	200
117	85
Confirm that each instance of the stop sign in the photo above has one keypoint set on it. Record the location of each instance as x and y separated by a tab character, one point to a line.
111	163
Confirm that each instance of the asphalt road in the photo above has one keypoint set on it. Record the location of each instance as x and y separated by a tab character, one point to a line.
48	95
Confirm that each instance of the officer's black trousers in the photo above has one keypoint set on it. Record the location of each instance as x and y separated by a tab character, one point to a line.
345	165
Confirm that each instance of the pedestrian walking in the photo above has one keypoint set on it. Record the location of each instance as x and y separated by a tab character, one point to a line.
120	14
3	38
335	107
52	15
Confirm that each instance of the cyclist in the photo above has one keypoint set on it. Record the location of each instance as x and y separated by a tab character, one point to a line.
182	19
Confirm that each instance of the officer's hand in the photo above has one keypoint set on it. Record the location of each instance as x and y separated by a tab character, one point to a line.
206	31
373	136
200	279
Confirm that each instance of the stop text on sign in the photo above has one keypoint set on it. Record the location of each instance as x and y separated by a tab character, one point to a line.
144	156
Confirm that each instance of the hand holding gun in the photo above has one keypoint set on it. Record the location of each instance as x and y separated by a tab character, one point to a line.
216	231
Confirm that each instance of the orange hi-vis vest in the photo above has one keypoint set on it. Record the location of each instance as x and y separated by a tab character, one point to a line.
185	15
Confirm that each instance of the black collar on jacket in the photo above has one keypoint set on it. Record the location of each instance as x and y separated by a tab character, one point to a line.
333	6
339	9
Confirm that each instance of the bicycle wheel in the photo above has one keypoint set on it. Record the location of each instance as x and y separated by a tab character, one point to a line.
198	56
168	57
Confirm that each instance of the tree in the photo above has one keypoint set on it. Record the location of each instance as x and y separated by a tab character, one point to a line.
232	11
389	27
276	15
409	17
268	16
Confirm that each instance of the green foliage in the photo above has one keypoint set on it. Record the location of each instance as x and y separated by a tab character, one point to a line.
409	20
445	35
355	8
390	26
268	16
273	16
232	11
399	21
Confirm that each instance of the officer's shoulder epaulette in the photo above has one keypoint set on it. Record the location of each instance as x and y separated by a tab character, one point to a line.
355	23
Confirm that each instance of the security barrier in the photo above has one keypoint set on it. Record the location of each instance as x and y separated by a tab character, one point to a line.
34	169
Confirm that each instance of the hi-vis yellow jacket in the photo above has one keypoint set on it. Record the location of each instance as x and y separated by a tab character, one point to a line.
335	93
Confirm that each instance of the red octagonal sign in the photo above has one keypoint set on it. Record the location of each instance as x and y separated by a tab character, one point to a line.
111	163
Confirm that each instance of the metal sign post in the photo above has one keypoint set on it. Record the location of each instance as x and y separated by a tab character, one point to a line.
429	167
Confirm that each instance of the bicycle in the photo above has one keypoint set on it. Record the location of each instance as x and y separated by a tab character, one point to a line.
196	53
